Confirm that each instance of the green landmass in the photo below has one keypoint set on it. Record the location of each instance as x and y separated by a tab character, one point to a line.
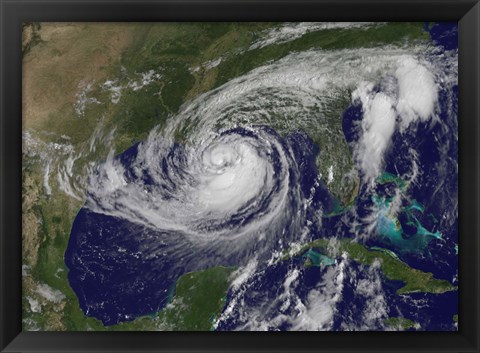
198	301
329	39
392	267
400	323
455	318
334	149
61	59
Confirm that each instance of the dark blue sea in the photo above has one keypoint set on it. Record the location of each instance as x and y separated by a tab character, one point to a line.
117	276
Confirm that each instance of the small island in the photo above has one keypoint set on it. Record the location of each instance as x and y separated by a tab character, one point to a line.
401	323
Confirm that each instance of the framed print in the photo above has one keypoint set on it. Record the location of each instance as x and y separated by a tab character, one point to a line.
238	176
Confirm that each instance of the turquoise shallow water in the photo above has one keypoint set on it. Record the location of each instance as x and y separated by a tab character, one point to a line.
317	259
389	228
407	229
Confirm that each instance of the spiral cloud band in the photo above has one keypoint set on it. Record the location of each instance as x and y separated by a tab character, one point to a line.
234	175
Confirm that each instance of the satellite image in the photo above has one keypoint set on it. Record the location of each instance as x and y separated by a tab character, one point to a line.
240	176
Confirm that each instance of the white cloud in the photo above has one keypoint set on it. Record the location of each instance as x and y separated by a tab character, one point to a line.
82	98
292	86
378	125
293	30
317	313
146	78
46	176
371	289
243	274
35	306
417	92
411	96
330	174
49	293
116	87
212	63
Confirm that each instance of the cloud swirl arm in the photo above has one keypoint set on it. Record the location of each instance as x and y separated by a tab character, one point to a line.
234	176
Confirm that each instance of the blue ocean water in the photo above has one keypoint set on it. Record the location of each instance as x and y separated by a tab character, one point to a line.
122	270
116	273
438	154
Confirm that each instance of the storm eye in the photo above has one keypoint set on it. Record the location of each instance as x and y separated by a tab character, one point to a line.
304	178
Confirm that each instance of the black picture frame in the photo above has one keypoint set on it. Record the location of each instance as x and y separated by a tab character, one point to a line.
14	12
